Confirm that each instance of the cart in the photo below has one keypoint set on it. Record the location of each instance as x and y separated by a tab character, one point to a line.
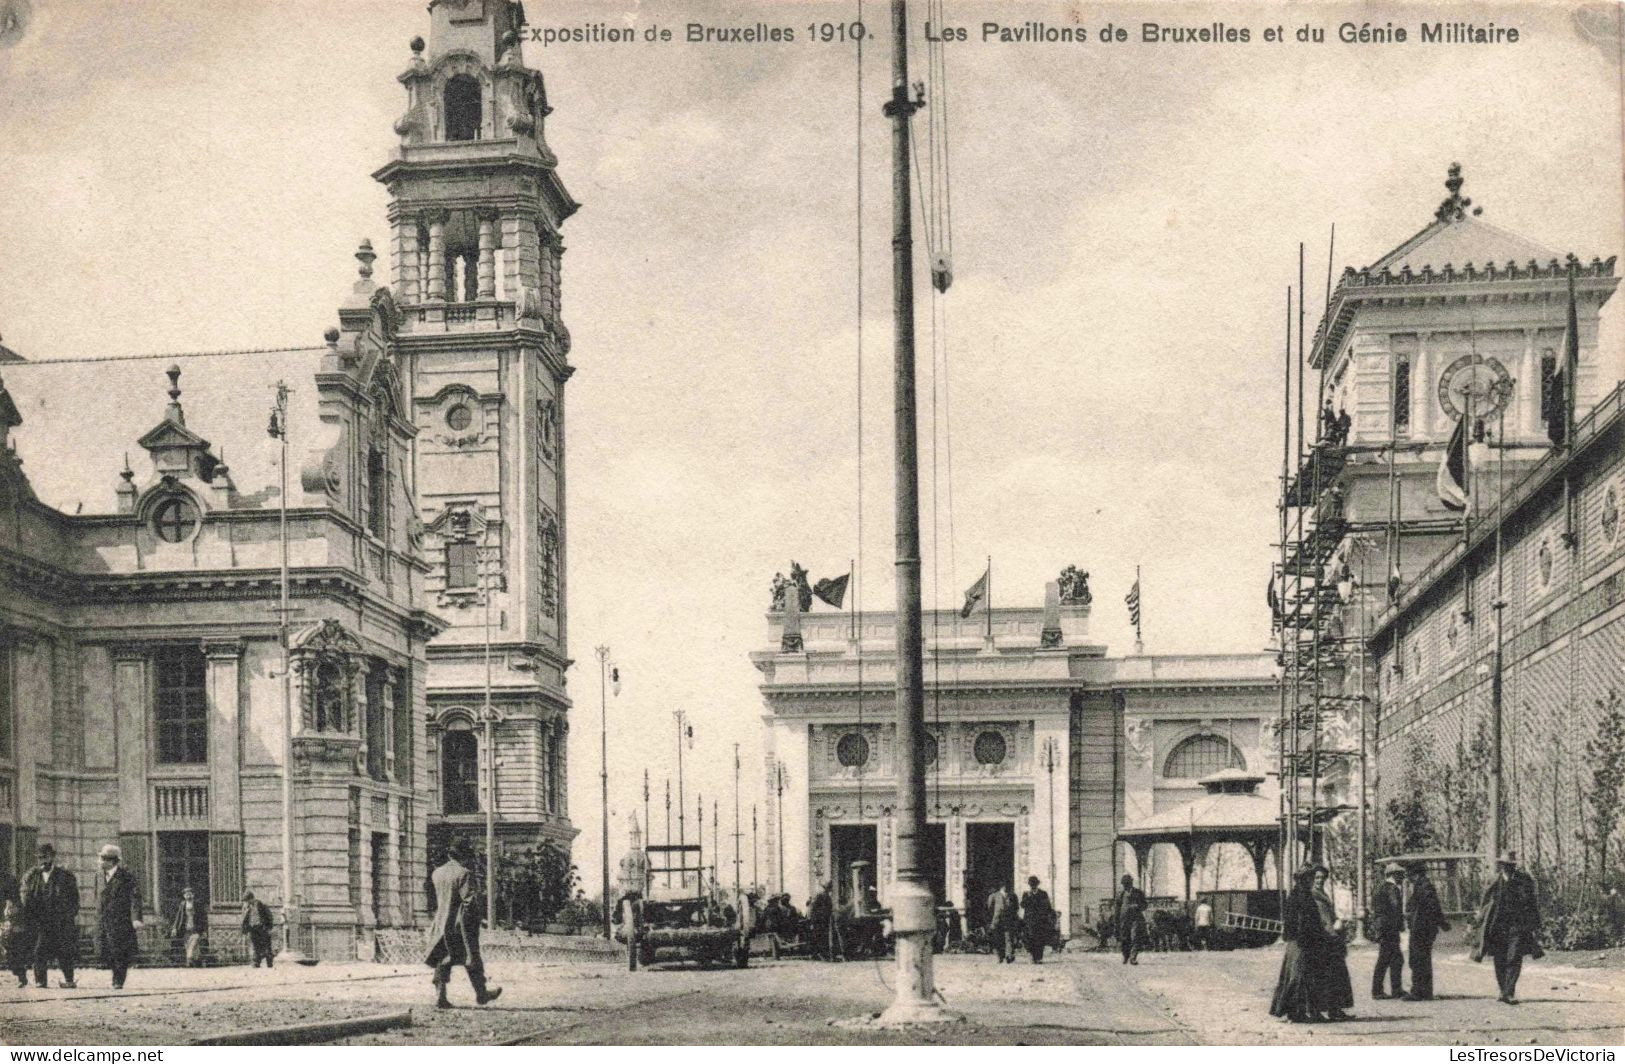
682	918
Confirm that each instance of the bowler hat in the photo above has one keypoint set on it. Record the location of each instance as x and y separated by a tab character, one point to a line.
44	849
1032	881
1393	868
112	851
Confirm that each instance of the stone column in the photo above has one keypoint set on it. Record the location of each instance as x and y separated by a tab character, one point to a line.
487	266
407	258
130	713
1527	388
224	693
1421	389
437	259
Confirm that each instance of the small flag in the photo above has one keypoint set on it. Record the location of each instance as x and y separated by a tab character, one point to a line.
1270	597
1133	601
1452	479
1559	413
688	733
833	589
615	680
974	595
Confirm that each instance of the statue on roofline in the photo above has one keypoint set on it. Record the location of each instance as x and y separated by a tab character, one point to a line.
1074	586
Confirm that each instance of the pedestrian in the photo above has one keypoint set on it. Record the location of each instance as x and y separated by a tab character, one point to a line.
454	937
50	905
118	915
16	938
1204	924
1296	995
1387	921
187	926
821	921
1128	920
1331	967
1425	918
1003	922
257	926
1509	925
1037	919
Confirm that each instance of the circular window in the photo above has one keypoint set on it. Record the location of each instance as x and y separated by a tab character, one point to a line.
1610	514
990	749
930	745
174	520
853	750
459	417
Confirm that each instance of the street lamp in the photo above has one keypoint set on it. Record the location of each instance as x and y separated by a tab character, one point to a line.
603	772
489	557
1050	755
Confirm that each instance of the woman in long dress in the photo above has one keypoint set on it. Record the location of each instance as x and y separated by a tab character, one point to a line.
1296	990
1334	990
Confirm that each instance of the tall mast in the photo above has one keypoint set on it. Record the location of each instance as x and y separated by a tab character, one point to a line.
912	902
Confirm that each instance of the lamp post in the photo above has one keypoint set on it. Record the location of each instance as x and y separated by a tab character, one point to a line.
603	774
681	717
489	557
736	822
278	430
780	778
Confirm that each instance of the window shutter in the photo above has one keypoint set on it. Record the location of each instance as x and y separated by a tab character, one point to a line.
225	868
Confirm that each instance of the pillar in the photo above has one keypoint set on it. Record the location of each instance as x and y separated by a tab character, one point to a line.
487	265
407	258
130	713
437	259
1528	387
223	691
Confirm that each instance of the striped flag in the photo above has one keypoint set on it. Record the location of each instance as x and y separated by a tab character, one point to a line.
1133	601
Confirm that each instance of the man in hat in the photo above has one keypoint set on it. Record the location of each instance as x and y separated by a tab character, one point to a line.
1003	922
1425	917
257	926
1128	920
1387	921
1509	924
1037	919
118	914
50	904
454	937
186	927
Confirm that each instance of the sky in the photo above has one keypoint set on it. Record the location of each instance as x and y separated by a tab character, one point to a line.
1103	378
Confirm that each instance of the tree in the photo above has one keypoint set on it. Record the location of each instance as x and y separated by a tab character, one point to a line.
1410	826
1605	795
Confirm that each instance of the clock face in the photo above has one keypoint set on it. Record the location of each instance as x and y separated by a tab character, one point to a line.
1473	381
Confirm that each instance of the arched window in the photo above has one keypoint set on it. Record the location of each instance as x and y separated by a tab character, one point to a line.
1400	396
462	108
459	773
1548	376
1201	755
330	698
377	493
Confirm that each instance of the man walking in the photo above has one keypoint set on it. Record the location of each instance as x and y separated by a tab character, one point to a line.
1387	921
1037	919
186	928
257	926
1426	919
1203	921
1003	922
1128	919
820	923
454	937
118	914
1509	925
50	904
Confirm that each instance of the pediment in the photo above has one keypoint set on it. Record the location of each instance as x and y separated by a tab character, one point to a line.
169	433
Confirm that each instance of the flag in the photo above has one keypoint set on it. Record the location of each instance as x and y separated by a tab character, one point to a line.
1558	412
974	595
1133	601
1452	479
833	589
1394	582
1269	596
615	680
688	733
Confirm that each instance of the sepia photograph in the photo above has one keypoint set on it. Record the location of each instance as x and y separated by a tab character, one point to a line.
1015	522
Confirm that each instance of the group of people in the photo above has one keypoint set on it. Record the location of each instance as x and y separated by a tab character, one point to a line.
41	916
1030	920
1314	983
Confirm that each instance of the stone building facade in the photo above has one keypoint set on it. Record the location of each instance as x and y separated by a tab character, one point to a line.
1040	747
141	662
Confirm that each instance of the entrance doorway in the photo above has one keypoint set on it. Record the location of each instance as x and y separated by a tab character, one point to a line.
990	851
934	860
849	843
183	861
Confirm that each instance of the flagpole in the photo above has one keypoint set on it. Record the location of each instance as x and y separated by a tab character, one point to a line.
989	599
736	823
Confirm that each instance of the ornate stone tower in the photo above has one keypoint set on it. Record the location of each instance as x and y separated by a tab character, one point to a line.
475	210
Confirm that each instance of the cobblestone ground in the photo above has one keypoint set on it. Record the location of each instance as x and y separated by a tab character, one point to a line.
1077	998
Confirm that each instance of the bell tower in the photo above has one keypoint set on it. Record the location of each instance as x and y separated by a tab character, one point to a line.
475	210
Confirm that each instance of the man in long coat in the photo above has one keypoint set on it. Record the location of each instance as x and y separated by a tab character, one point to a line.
1003	922
454	937
1387	921
256	924
1128	920
118	914
1426	919
50	904
1037	919
1509	925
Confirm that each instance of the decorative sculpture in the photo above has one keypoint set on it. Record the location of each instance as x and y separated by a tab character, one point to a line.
1075	586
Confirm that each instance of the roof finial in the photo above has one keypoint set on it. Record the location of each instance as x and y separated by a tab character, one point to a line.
1454	207
174	413
365	255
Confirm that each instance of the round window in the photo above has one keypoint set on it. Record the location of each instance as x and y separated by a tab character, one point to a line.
459	417
852	751
174	520
990	748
